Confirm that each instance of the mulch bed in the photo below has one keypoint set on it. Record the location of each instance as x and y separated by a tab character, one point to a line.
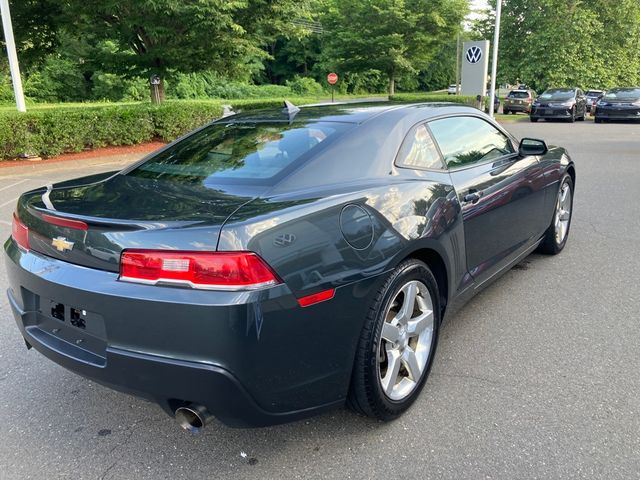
98	152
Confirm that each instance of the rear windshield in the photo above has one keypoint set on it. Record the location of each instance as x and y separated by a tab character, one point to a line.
248	153
558	94
623	94
593	93
518	94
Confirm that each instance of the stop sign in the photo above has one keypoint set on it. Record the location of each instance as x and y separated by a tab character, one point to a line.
332	78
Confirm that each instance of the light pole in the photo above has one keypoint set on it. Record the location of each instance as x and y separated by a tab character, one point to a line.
13	57
494	61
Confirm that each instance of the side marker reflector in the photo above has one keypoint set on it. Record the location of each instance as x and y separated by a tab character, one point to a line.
317	297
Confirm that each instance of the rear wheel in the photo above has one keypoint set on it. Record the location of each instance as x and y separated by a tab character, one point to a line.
397	343
555	238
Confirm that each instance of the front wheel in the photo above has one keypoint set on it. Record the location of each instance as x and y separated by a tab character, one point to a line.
572	116
555	238
533	120
397	343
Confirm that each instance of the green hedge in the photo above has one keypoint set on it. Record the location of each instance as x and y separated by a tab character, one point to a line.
258	103
52	131
48	130
430	97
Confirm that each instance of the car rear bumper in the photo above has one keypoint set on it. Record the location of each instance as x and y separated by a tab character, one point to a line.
251	358
604	113
551	112
516	108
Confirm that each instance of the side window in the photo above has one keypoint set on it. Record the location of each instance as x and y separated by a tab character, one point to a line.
467	140
419	150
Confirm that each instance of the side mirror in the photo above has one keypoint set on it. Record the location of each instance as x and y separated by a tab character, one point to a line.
532	146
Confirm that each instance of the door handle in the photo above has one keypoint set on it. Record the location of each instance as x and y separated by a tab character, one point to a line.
472	197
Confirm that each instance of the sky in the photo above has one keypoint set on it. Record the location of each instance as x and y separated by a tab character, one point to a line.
476	6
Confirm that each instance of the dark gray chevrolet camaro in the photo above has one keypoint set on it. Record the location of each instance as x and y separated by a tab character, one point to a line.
274	264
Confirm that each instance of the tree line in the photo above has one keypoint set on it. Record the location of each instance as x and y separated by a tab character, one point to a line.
75	50
80	49
555	43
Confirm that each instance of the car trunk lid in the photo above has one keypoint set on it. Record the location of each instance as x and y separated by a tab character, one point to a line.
89	223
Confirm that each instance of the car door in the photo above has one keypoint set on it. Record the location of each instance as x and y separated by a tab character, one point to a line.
501	193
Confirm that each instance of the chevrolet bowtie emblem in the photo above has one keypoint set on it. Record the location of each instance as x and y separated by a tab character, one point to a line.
62	244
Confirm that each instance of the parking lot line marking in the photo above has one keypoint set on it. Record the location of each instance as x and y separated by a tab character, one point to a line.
15	184
13	200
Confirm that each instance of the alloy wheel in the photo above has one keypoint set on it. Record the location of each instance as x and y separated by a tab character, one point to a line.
406	340
563	213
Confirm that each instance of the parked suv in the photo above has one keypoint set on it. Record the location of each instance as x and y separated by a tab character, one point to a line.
518	101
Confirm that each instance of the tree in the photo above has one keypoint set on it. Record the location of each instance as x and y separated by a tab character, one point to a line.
395	37
35	28
587	43
441	70
162	36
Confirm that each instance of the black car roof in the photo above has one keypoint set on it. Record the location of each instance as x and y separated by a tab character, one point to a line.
345	112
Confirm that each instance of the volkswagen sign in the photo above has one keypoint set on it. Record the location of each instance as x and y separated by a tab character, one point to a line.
475	65
474	54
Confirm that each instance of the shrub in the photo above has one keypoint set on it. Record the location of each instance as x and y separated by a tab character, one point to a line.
431	97
51	131
305	86
210	85
173	119
112	87
6	91
60	79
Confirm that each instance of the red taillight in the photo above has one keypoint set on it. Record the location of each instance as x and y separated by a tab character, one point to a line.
209	270
20	232
65	222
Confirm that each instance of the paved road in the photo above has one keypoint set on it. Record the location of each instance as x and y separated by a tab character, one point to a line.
538	377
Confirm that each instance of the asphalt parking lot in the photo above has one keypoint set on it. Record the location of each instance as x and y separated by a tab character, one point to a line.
538	377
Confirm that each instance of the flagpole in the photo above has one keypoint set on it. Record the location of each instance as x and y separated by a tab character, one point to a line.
494	62
13	57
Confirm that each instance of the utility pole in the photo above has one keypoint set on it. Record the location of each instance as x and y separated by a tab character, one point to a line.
494	62
13	57
458	64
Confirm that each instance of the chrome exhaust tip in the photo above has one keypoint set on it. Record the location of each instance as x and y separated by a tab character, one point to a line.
193	418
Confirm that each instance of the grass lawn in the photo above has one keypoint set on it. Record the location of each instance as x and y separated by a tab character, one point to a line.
31	106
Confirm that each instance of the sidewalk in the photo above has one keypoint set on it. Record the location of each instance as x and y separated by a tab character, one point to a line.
116	156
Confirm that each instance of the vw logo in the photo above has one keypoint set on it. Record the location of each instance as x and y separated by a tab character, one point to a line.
474	54
284	240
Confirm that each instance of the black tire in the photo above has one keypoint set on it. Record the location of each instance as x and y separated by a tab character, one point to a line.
598	120
549	244
572	117
534	120
366	395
